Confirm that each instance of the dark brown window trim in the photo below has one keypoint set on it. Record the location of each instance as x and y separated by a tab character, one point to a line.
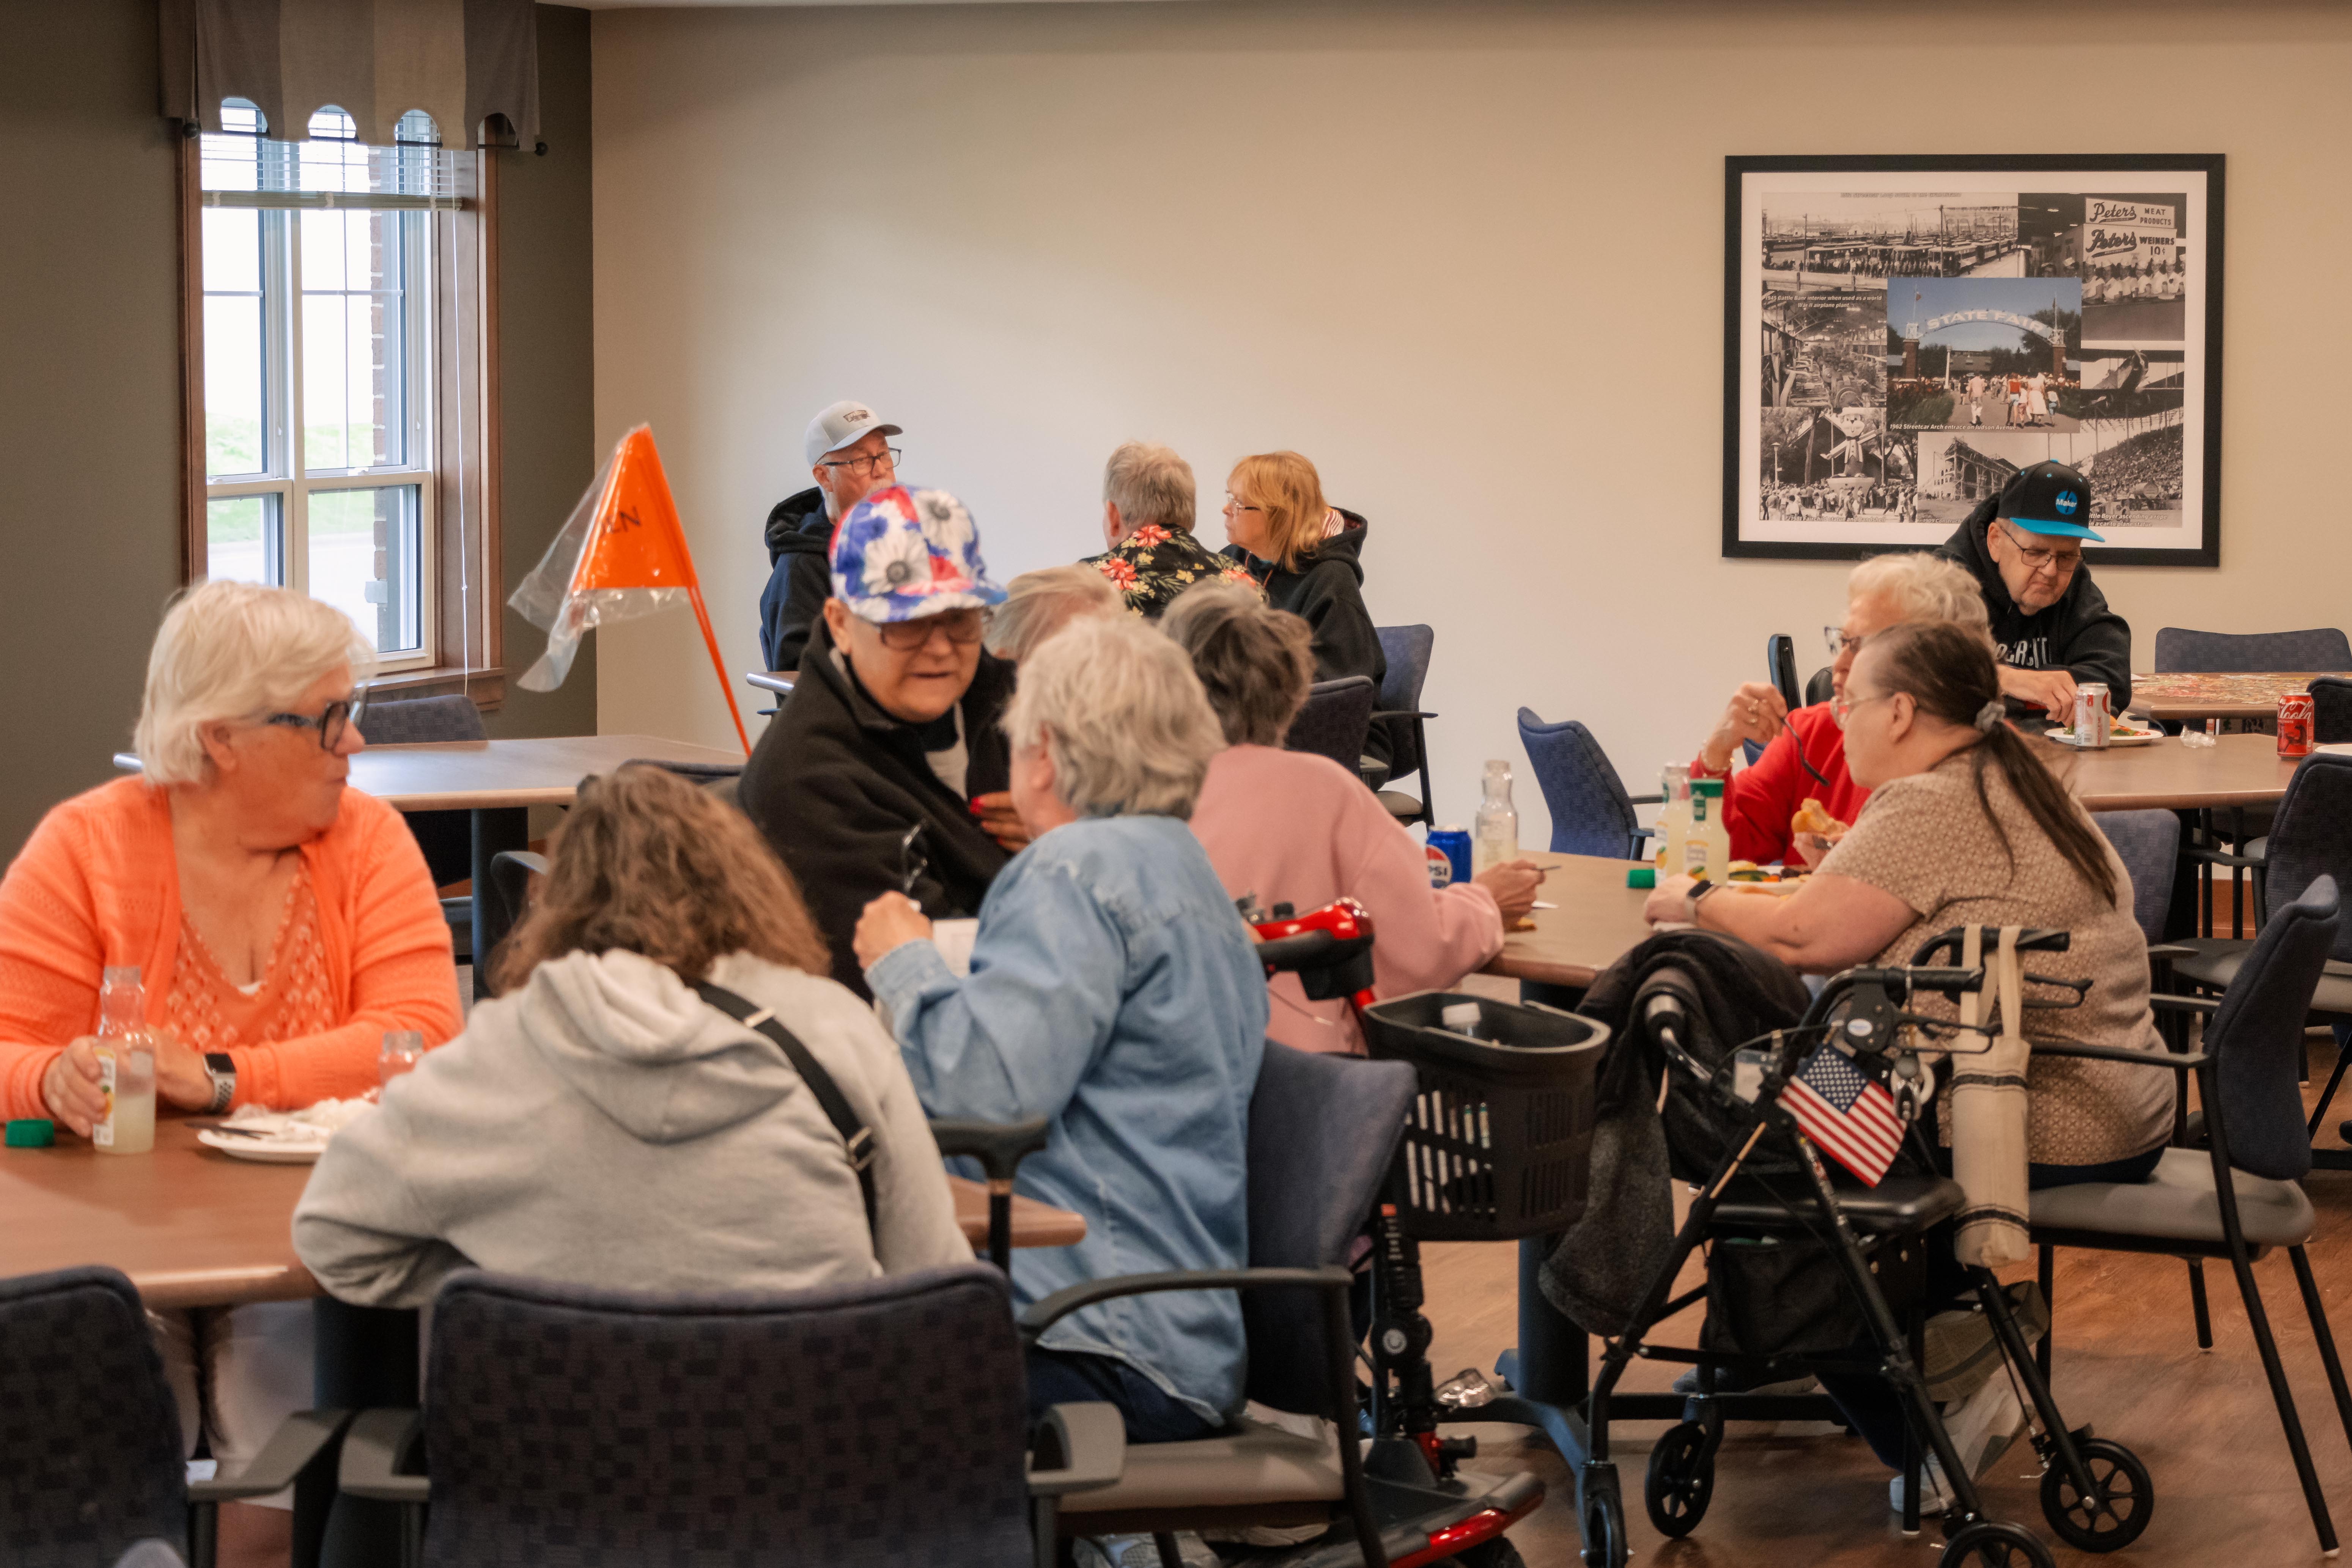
468	658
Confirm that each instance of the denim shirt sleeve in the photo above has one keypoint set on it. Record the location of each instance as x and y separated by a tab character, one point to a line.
1012	1039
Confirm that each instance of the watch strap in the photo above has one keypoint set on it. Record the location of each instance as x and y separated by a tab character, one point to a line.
221	1068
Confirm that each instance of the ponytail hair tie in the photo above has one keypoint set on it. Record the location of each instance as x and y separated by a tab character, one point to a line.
1989	715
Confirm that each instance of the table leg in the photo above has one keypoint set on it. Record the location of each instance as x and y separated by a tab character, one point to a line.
496	830
365	1358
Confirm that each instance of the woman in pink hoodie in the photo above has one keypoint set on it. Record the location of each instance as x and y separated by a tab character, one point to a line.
1296	828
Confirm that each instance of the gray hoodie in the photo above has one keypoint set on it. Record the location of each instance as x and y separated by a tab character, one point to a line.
603	1125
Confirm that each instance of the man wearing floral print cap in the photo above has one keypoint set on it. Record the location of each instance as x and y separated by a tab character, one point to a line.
884	770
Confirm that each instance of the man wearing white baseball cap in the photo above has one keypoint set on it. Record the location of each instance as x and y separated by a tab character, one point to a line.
850	457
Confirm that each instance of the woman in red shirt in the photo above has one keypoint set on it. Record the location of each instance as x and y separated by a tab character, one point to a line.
1804	751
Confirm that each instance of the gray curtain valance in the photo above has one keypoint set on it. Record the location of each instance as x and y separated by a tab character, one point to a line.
460	61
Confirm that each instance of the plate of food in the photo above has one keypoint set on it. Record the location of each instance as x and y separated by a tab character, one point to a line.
2120	732
281	1137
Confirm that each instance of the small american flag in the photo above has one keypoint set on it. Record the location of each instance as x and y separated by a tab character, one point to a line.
1845	1111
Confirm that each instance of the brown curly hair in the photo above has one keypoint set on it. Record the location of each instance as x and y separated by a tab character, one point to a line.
650	864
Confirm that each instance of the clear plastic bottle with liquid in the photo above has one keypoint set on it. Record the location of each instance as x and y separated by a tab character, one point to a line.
1494	831
126	1065
1673	816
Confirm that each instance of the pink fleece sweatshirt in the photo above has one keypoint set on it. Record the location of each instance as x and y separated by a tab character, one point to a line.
1299	829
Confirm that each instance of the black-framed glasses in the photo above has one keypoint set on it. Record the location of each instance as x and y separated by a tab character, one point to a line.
963	628
2043	560
330	723
864	465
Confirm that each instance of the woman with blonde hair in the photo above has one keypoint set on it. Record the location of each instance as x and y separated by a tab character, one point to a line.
602	1120
1308	556
277	922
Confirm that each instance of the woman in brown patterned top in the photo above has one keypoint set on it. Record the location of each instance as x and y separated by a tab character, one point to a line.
1967	826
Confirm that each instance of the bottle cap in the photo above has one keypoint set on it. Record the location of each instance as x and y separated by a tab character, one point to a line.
1709	787
32	1133
1459	1016
1642	876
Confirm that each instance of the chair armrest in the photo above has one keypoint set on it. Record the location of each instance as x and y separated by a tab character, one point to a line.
1645	800
1400	713
2187	1061
1044	1314
1000	1147
1084	1446
297	1444
371	1456
2171	950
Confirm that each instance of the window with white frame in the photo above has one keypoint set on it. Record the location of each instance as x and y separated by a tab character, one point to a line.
320	387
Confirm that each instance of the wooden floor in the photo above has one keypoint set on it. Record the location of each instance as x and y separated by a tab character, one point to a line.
2127	1363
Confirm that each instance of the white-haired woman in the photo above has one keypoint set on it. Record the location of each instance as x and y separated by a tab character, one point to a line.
1804	750
280	923
1039	604
1113	989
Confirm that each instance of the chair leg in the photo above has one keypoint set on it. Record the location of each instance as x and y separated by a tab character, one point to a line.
2317	1310
2283	1396
2197	1303
2044	1275
1169	1555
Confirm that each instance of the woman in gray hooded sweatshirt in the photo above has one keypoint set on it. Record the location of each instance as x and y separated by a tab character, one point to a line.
600	1123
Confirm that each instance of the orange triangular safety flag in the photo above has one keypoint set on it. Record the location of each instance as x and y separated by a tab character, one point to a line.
622	554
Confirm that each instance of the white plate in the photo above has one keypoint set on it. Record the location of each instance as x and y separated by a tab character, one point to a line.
265	1151
2067	738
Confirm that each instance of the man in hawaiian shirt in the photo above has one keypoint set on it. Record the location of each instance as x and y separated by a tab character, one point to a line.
1147	505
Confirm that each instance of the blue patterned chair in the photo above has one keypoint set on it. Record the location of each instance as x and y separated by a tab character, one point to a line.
2322	647
1591	811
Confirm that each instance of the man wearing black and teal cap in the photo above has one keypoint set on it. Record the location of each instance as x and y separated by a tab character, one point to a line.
2051	625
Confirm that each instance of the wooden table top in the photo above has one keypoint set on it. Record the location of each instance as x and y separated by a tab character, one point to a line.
193	1227
1598	919
2216	694
2240	770
467	775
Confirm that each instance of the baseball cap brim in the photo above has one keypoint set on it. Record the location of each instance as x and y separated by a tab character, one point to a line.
869	430
2058	530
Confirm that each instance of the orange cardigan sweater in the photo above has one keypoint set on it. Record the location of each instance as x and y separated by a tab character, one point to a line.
98	885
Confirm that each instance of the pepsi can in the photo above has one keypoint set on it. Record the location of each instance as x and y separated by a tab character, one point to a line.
1449	856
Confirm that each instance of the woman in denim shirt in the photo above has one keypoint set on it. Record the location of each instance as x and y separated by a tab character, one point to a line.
1114	989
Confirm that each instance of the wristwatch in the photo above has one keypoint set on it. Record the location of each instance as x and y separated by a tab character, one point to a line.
221	1070
1702	890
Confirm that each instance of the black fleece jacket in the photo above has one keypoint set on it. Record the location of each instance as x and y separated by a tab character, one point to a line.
2077	633
800	578
835	783
1325	588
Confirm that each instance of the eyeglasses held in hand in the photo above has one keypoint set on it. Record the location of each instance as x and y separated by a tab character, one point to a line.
888	457
330	723
963	628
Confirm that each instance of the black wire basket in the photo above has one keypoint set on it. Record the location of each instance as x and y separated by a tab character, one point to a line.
1499	1141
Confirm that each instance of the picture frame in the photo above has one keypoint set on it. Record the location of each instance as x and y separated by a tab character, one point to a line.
1902	333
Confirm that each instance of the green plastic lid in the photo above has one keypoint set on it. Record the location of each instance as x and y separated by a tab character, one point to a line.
32	1133
1642	876
1712	788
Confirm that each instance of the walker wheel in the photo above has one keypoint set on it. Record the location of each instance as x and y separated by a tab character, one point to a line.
1680	1482
1605	1546
1995	1544
2116	1509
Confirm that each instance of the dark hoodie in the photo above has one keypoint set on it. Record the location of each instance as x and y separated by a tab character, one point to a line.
835	783
1325	589
2077	633
801	578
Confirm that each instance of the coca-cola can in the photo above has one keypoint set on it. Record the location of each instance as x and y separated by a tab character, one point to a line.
2294	724
2094	715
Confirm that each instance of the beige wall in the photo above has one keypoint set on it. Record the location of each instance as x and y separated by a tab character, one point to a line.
1467	257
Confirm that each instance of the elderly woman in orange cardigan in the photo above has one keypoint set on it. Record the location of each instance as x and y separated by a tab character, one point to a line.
280	922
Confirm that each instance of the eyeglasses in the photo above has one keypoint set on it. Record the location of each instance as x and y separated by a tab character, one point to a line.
1839	642
1841	707
888	457
1234	505
330	723
2064	562
963	628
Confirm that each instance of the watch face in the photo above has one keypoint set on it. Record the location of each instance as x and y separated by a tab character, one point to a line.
219	1062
